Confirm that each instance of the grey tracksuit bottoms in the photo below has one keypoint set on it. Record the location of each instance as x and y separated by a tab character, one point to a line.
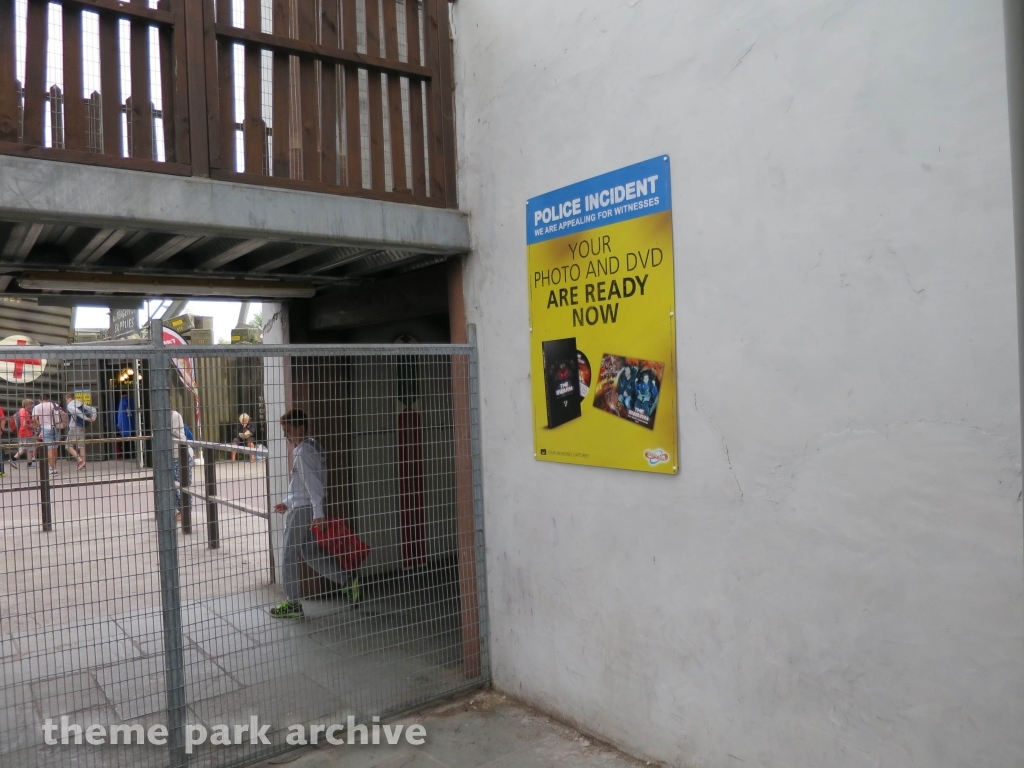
299	542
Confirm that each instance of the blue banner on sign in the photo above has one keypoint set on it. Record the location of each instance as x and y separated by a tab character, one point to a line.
630	192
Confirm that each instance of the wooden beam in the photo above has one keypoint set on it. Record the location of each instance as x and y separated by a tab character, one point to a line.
253	125
35	73
225	80
10	121
464	507
412	28
282	90
446	86
329	125
309	92
371	61
456	301
436	176
110	86
376	98
395	113
192	108
74	98
353	124
174	85
141	114
140	11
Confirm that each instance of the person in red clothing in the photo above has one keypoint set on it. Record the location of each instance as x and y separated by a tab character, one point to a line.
21	423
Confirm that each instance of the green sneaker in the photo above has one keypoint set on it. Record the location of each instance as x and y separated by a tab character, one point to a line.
352	590
287	610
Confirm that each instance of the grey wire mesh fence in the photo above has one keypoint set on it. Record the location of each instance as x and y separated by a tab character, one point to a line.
137	583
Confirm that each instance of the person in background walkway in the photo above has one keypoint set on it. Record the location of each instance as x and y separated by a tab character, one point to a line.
21	425
179	434
48	418
79	414
245	436
305	507
125	423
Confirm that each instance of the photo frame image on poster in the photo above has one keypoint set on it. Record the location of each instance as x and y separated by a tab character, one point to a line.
630	388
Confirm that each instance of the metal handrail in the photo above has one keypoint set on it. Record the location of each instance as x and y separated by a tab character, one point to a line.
86	441
144	352
224	447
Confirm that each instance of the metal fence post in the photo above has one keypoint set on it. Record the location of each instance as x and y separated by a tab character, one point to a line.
140	444
167	535
270	520
44	485
185	473
212	525
478	500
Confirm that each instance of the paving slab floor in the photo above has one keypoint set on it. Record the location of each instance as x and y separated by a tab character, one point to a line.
476	730
81	627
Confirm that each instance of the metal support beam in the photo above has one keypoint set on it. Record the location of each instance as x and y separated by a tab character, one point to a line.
98	246
284	259
172	246
176	308
34	190
6	230
327	262
21	241
228	255
377	261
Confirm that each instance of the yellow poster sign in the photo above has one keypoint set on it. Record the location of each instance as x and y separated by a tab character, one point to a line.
602	321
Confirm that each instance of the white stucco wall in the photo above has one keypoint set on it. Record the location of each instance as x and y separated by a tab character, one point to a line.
835	576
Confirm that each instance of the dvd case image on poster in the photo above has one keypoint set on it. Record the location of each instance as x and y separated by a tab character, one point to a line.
561	381
628	387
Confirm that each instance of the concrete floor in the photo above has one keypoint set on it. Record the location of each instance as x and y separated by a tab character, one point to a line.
480	729
81	629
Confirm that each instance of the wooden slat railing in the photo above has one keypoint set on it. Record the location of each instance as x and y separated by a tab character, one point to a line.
332	95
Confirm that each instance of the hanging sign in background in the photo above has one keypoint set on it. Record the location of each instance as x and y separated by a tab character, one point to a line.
20	370
602	321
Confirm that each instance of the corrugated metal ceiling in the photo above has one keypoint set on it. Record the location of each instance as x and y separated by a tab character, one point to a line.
68	250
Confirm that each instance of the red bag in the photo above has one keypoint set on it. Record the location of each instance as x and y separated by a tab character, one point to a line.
339	540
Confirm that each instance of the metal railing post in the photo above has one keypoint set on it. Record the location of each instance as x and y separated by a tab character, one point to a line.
478	499
44	485
212	525
185	475
270	519
167	536
140	446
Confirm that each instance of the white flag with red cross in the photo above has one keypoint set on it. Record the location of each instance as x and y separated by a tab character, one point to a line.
19	369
